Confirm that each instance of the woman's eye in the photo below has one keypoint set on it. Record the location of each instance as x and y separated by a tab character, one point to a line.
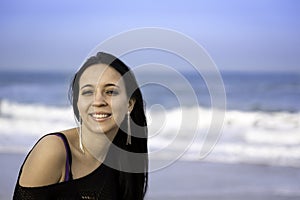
88	92
112	92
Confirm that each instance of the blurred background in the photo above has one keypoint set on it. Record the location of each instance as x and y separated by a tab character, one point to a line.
254	44
57	35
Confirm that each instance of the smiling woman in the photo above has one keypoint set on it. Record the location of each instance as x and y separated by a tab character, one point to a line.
85	162
98	98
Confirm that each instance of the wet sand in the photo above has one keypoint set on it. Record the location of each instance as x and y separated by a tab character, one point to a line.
191	180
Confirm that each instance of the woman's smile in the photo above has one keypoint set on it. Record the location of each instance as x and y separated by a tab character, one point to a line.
102	101
101	116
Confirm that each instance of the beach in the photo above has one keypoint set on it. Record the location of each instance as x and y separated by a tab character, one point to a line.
211	181
195	180
256	156
10	165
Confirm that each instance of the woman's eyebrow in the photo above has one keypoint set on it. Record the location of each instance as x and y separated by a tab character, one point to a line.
87	85
111	84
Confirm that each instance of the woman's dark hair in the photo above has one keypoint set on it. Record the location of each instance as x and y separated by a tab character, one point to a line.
133	185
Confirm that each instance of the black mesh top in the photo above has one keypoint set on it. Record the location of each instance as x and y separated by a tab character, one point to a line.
101	184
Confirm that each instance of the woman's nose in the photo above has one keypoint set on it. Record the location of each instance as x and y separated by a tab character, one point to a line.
99	99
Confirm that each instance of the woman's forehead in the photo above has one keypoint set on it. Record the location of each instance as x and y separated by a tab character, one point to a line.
100	73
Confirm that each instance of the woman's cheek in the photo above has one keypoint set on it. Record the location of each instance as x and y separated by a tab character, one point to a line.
119	110
83	104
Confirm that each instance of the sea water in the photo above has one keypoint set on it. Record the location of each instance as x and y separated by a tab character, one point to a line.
261	124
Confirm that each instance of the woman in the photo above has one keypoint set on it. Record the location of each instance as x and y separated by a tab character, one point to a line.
97	159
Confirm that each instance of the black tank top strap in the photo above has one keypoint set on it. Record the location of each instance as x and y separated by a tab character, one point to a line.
102	183
68	171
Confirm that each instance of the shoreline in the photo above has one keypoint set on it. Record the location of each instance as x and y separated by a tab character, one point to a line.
10	165
195	180
232	181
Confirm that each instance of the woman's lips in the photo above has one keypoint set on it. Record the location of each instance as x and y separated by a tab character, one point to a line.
99	117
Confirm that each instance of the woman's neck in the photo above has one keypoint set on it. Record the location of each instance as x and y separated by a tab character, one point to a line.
97	144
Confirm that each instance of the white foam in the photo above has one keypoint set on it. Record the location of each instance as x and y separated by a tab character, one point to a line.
251	137
248	137
21	125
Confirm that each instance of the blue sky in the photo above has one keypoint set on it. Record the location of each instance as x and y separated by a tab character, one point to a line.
238	35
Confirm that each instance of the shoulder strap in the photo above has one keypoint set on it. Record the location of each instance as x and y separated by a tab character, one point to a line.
68	172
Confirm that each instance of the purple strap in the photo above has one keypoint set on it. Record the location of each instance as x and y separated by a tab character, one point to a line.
69	158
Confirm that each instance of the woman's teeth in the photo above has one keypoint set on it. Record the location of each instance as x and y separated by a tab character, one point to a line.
100	116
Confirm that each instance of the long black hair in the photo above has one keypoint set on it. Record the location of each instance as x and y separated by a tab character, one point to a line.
133	184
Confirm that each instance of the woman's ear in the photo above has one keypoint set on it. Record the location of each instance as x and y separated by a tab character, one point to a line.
131	104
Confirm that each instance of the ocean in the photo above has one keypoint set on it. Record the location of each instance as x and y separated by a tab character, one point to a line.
261	125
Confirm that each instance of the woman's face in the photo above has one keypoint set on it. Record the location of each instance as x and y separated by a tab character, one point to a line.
102	99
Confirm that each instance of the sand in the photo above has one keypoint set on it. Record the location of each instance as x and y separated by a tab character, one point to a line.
190	180
204	180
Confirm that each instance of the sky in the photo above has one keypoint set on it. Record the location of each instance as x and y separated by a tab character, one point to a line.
55	35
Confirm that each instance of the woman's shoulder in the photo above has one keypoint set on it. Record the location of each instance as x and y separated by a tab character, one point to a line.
45	163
